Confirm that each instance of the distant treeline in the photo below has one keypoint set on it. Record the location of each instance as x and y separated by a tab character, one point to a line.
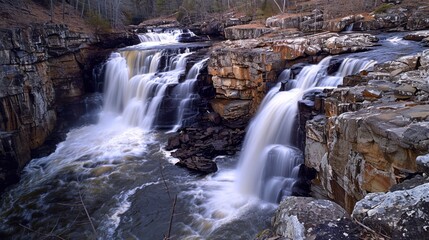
117	13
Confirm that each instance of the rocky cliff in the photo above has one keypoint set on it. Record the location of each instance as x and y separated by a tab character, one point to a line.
372	130
406	16
242	71
42	65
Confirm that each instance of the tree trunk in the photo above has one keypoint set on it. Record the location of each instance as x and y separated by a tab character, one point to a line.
63	6
83	8
52	10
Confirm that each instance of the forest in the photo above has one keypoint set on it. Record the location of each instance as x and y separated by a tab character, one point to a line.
119	13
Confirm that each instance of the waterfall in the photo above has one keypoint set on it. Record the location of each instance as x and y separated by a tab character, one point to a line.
349	28
138	81
164	37
186	92
269	161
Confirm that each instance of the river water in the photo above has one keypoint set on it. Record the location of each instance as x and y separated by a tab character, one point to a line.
113	180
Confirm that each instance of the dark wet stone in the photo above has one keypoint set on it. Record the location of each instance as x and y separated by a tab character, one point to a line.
199	164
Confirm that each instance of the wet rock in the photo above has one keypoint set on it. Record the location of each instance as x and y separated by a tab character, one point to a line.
199	164
235	111
195	146
403	214
187	37
417	36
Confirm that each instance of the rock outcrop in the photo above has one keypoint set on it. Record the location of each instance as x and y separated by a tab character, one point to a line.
403	17
195	147
247	31
242	71
373	129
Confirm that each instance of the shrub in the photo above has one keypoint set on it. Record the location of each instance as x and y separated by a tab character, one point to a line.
383	8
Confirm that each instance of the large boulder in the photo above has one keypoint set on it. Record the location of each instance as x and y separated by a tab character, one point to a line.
240	74
402	214
309	218
194	147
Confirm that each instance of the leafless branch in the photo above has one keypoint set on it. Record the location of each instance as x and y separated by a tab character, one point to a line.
87	214
45	235
171	218
371	230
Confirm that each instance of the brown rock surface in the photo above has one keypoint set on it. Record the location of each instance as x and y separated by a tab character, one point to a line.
242	70
372	132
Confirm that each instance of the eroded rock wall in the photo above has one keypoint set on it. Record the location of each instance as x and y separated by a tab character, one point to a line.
239	77
372	131
242	71
40	66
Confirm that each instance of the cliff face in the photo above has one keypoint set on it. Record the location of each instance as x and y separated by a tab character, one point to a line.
372	131
242	71
41	66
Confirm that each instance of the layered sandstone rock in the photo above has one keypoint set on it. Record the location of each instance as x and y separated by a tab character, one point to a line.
242	71
239	76
247	31
373	132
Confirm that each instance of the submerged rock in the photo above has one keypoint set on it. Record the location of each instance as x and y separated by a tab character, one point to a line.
199	164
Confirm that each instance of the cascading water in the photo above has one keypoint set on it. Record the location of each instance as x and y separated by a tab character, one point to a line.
349	28
185	93
269	159
136	83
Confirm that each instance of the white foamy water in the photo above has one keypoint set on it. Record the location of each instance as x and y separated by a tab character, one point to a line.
269	159
216	206
397	41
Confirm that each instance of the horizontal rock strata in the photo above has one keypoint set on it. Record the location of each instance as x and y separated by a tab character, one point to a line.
372	130
242	71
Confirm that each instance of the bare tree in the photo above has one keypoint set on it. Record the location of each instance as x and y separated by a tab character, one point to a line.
52	10
281	8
